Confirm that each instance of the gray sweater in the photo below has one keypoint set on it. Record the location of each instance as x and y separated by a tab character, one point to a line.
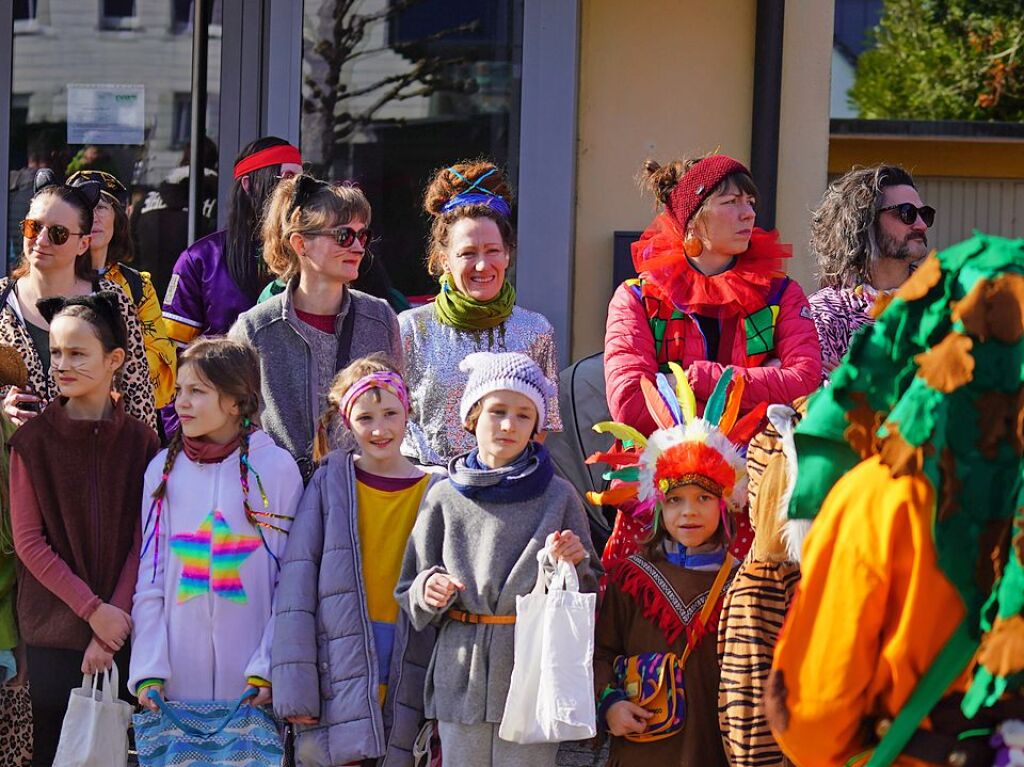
292	365
492	548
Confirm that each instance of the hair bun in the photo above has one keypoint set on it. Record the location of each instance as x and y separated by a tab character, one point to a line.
447	183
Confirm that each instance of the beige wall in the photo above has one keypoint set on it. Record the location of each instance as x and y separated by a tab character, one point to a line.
669	78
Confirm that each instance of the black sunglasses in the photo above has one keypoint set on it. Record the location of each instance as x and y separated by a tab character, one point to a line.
31	228
908	213
344	235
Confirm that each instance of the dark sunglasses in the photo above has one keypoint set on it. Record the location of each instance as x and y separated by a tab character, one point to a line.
908	213
31	229
344	235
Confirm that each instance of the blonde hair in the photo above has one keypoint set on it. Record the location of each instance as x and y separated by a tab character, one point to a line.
378	362
327	206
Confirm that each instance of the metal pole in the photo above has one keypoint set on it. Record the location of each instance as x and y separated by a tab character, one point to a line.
197	136
764	139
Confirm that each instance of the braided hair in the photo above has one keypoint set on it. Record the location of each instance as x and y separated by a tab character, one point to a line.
232	369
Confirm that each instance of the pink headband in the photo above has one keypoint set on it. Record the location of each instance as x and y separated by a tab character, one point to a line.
386	380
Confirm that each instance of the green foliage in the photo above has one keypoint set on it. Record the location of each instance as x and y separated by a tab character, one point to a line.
944	60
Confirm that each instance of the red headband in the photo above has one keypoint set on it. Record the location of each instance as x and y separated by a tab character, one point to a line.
698	183
275	155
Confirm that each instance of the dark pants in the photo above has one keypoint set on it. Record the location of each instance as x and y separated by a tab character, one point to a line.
52	675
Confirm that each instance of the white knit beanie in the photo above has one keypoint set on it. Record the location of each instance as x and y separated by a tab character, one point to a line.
509	371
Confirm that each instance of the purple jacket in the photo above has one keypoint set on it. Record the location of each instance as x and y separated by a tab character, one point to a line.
201	298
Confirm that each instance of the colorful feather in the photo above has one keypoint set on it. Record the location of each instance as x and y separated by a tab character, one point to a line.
656	406
621	432
687	401
613	496
615	458
670	398
628	474
732	405
716	402
747	426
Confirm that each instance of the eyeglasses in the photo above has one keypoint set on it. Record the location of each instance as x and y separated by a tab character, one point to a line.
344	235
31	228
908	213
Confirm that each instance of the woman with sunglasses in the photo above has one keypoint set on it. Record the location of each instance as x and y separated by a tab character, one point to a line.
314	238
472	240
111	248
56	262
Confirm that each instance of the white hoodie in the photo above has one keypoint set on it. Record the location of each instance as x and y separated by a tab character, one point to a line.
203	615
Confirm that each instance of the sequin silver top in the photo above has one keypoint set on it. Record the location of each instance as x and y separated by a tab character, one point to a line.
432	353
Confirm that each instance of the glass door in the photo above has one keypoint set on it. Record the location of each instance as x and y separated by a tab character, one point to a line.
106	84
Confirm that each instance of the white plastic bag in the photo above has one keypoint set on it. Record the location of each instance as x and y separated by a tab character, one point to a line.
95	729
551	696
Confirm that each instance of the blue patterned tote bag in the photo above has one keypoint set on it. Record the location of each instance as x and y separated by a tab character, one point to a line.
213	733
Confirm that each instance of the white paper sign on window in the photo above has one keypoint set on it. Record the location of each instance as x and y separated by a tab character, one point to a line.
106	113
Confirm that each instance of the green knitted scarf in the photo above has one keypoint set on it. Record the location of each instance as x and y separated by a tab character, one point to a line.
460	311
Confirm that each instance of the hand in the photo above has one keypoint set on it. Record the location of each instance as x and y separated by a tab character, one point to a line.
14	408
146	702
440	588
111	625
567	546
97	658
263	696
625	718
305	721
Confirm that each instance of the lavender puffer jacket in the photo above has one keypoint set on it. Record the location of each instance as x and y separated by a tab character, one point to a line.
323	660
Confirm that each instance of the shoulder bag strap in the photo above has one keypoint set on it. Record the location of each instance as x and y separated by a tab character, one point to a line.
712	600
345	339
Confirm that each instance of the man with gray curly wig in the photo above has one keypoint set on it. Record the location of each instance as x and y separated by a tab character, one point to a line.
867	234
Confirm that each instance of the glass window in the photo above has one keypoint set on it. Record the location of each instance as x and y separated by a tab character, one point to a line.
62	80
392	91
182	11
24	10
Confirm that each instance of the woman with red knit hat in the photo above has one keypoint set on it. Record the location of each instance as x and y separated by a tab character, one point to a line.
711	292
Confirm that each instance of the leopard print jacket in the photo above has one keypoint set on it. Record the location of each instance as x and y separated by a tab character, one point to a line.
133	382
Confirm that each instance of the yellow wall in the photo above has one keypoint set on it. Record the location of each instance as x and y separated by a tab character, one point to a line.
670	78
970	158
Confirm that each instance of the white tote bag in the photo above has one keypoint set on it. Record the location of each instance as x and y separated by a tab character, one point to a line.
551	695
95	730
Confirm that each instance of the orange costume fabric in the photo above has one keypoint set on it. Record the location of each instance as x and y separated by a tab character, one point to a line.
871	612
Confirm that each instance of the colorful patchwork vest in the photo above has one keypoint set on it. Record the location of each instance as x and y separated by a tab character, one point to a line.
669	324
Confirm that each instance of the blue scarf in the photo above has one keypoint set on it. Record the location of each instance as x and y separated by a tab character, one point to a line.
526	478
702	560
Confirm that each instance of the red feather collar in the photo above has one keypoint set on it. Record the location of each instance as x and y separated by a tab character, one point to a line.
659	258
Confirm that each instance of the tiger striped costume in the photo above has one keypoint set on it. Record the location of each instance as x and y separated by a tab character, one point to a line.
753	612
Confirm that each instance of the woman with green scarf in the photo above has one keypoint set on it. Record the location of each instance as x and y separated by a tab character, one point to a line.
471	246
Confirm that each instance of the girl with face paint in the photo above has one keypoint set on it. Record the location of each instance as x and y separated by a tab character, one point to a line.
76	489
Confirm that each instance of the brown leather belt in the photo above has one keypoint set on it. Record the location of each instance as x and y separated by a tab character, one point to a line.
463	617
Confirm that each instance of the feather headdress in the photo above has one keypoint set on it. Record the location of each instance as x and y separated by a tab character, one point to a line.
686	449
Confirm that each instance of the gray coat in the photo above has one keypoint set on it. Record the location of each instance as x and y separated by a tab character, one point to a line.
289	369
323	660
492	548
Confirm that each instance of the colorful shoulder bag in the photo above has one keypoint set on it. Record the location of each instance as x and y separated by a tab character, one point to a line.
654	680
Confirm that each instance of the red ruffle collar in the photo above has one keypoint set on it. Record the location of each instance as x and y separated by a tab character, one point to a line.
659	258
